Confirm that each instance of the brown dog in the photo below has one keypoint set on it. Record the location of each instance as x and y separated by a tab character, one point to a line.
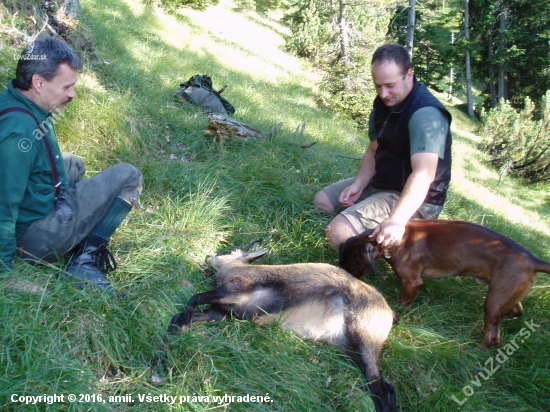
440	248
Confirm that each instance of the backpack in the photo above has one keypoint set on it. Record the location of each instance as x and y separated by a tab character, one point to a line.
198	90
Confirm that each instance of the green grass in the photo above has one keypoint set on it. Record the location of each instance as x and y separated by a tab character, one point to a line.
203	197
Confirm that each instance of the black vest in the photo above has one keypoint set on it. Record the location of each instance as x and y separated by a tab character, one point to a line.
393	158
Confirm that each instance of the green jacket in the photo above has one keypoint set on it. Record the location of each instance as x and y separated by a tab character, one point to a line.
26	183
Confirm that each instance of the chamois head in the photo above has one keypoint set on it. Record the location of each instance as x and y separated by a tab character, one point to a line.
237	257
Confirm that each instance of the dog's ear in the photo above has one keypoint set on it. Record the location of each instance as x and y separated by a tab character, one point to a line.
371	250
357	255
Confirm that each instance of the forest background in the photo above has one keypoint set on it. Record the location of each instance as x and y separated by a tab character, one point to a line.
306	65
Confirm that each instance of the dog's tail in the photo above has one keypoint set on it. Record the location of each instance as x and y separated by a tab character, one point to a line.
541	265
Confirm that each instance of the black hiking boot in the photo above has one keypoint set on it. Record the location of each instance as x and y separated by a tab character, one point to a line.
90	263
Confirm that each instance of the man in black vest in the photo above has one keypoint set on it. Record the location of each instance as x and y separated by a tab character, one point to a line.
406	170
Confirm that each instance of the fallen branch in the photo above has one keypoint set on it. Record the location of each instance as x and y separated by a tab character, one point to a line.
348	157
25	286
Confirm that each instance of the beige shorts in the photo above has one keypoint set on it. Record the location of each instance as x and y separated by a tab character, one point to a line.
374	206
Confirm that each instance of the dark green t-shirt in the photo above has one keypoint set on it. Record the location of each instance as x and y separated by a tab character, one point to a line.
427	129
26	183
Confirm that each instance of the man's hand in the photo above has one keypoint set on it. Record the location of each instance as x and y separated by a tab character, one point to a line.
350	195
388	233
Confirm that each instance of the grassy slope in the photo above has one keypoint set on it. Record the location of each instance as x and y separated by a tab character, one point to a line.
203	197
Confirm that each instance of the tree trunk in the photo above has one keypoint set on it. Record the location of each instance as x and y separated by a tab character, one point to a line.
491	72
410	27
451	75
344	33
468	66
502	69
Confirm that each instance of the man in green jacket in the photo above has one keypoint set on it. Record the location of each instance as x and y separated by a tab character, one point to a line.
47	209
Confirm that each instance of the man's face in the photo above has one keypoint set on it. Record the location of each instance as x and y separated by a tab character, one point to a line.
57	92
392	86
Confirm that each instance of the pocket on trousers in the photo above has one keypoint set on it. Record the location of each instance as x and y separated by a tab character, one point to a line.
63	211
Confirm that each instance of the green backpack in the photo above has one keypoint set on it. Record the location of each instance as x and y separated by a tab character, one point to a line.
198	90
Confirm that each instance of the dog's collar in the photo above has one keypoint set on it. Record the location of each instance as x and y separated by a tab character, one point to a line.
381	252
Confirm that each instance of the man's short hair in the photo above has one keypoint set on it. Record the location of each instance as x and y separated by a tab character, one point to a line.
395	53
43	57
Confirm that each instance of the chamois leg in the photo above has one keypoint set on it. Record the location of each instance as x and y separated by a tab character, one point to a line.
211	314
182	320
365	353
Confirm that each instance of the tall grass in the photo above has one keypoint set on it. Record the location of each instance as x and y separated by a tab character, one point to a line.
202	197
